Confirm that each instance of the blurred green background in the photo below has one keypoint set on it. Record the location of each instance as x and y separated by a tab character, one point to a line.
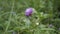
46	19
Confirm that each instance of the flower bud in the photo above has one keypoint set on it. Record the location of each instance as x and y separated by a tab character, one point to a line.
28	11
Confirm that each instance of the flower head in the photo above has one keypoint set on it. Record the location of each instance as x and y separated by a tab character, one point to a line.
28	11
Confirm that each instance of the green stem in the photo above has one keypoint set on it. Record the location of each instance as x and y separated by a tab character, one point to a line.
9	21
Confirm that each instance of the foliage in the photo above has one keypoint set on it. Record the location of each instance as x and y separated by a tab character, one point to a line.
14	21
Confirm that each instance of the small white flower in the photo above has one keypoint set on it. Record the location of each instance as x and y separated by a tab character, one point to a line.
37	23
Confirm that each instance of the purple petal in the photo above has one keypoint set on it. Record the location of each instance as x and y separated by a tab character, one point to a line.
28	11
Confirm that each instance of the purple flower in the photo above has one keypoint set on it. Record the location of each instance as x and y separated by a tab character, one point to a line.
28	11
